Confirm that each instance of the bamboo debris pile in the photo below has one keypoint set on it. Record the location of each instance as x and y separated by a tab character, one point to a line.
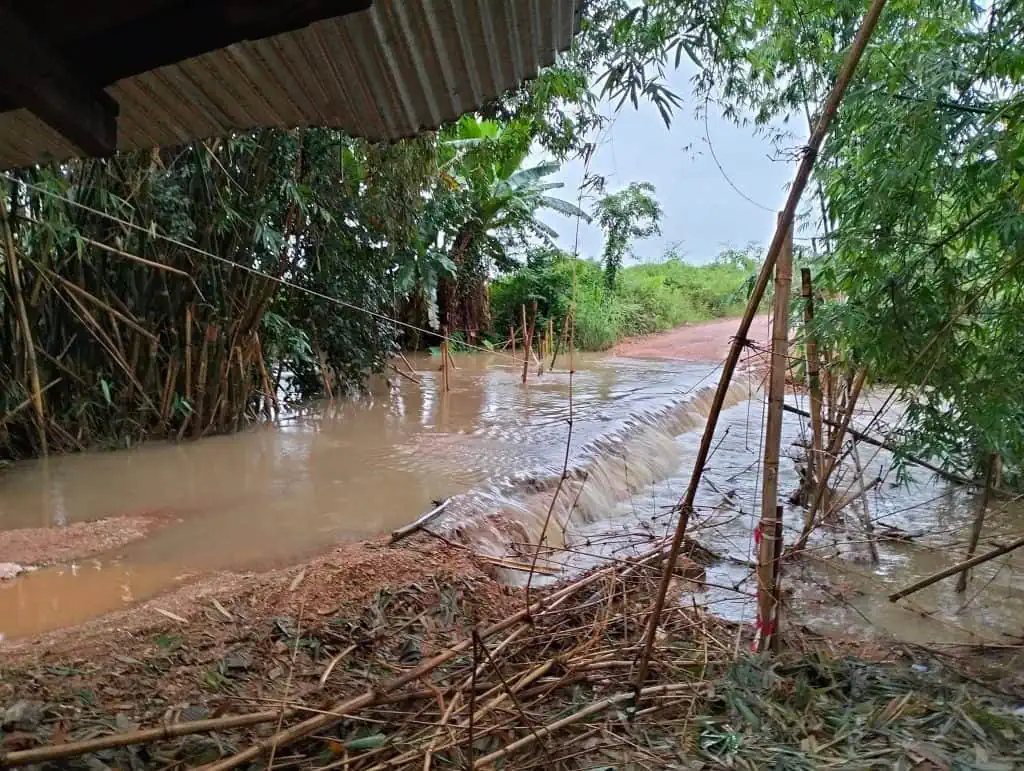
450	671
536	687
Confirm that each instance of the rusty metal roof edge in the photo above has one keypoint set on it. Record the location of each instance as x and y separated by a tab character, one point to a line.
416	65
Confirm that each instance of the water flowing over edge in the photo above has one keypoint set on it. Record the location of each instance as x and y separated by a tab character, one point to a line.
504	515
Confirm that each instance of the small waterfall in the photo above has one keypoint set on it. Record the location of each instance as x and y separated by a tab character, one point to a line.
511	513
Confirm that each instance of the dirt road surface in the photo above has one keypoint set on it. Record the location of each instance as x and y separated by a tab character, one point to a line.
697	342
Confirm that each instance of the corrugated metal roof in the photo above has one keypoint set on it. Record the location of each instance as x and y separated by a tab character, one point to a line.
386	73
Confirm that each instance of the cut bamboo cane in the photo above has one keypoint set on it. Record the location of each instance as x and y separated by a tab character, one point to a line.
869	528
575	717
803	174
958	568
979	521
26	330
773	443
168	731
817	459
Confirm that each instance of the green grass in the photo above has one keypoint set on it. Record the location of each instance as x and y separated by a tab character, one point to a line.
647	298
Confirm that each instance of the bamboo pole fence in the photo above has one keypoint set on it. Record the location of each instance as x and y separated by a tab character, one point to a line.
803	174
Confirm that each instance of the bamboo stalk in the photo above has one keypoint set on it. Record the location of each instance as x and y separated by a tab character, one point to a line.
817	459
526	344
204	352
773	442
512	339
833	461
803	174
957	568
777	538
869	528
26	329
979	521
188	354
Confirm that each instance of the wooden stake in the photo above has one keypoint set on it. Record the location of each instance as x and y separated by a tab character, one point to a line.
773	443
512	339
26	329
979	521
803	174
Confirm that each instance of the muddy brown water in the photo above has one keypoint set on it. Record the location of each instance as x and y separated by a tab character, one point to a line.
352	470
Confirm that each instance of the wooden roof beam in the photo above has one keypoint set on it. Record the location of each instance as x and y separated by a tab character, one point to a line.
35	76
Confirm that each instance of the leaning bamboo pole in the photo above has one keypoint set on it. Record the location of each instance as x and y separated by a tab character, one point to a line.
803	174
773	444
26	329
979	521
960	567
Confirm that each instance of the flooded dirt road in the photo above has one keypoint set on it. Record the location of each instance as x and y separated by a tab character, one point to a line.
348	471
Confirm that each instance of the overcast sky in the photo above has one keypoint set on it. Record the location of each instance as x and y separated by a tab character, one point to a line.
702	212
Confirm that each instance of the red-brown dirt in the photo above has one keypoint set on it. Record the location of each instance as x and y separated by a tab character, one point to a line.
697	342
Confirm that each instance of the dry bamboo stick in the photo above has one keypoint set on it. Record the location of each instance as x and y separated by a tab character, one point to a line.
575	717
773	441
957	568
979	521
420	522
803	174
164	732
26	329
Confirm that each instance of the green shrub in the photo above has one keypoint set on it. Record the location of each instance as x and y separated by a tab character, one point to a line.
647	298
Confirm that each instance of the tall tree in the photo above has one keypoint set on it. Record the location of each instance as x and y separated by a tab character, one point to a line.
625	216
